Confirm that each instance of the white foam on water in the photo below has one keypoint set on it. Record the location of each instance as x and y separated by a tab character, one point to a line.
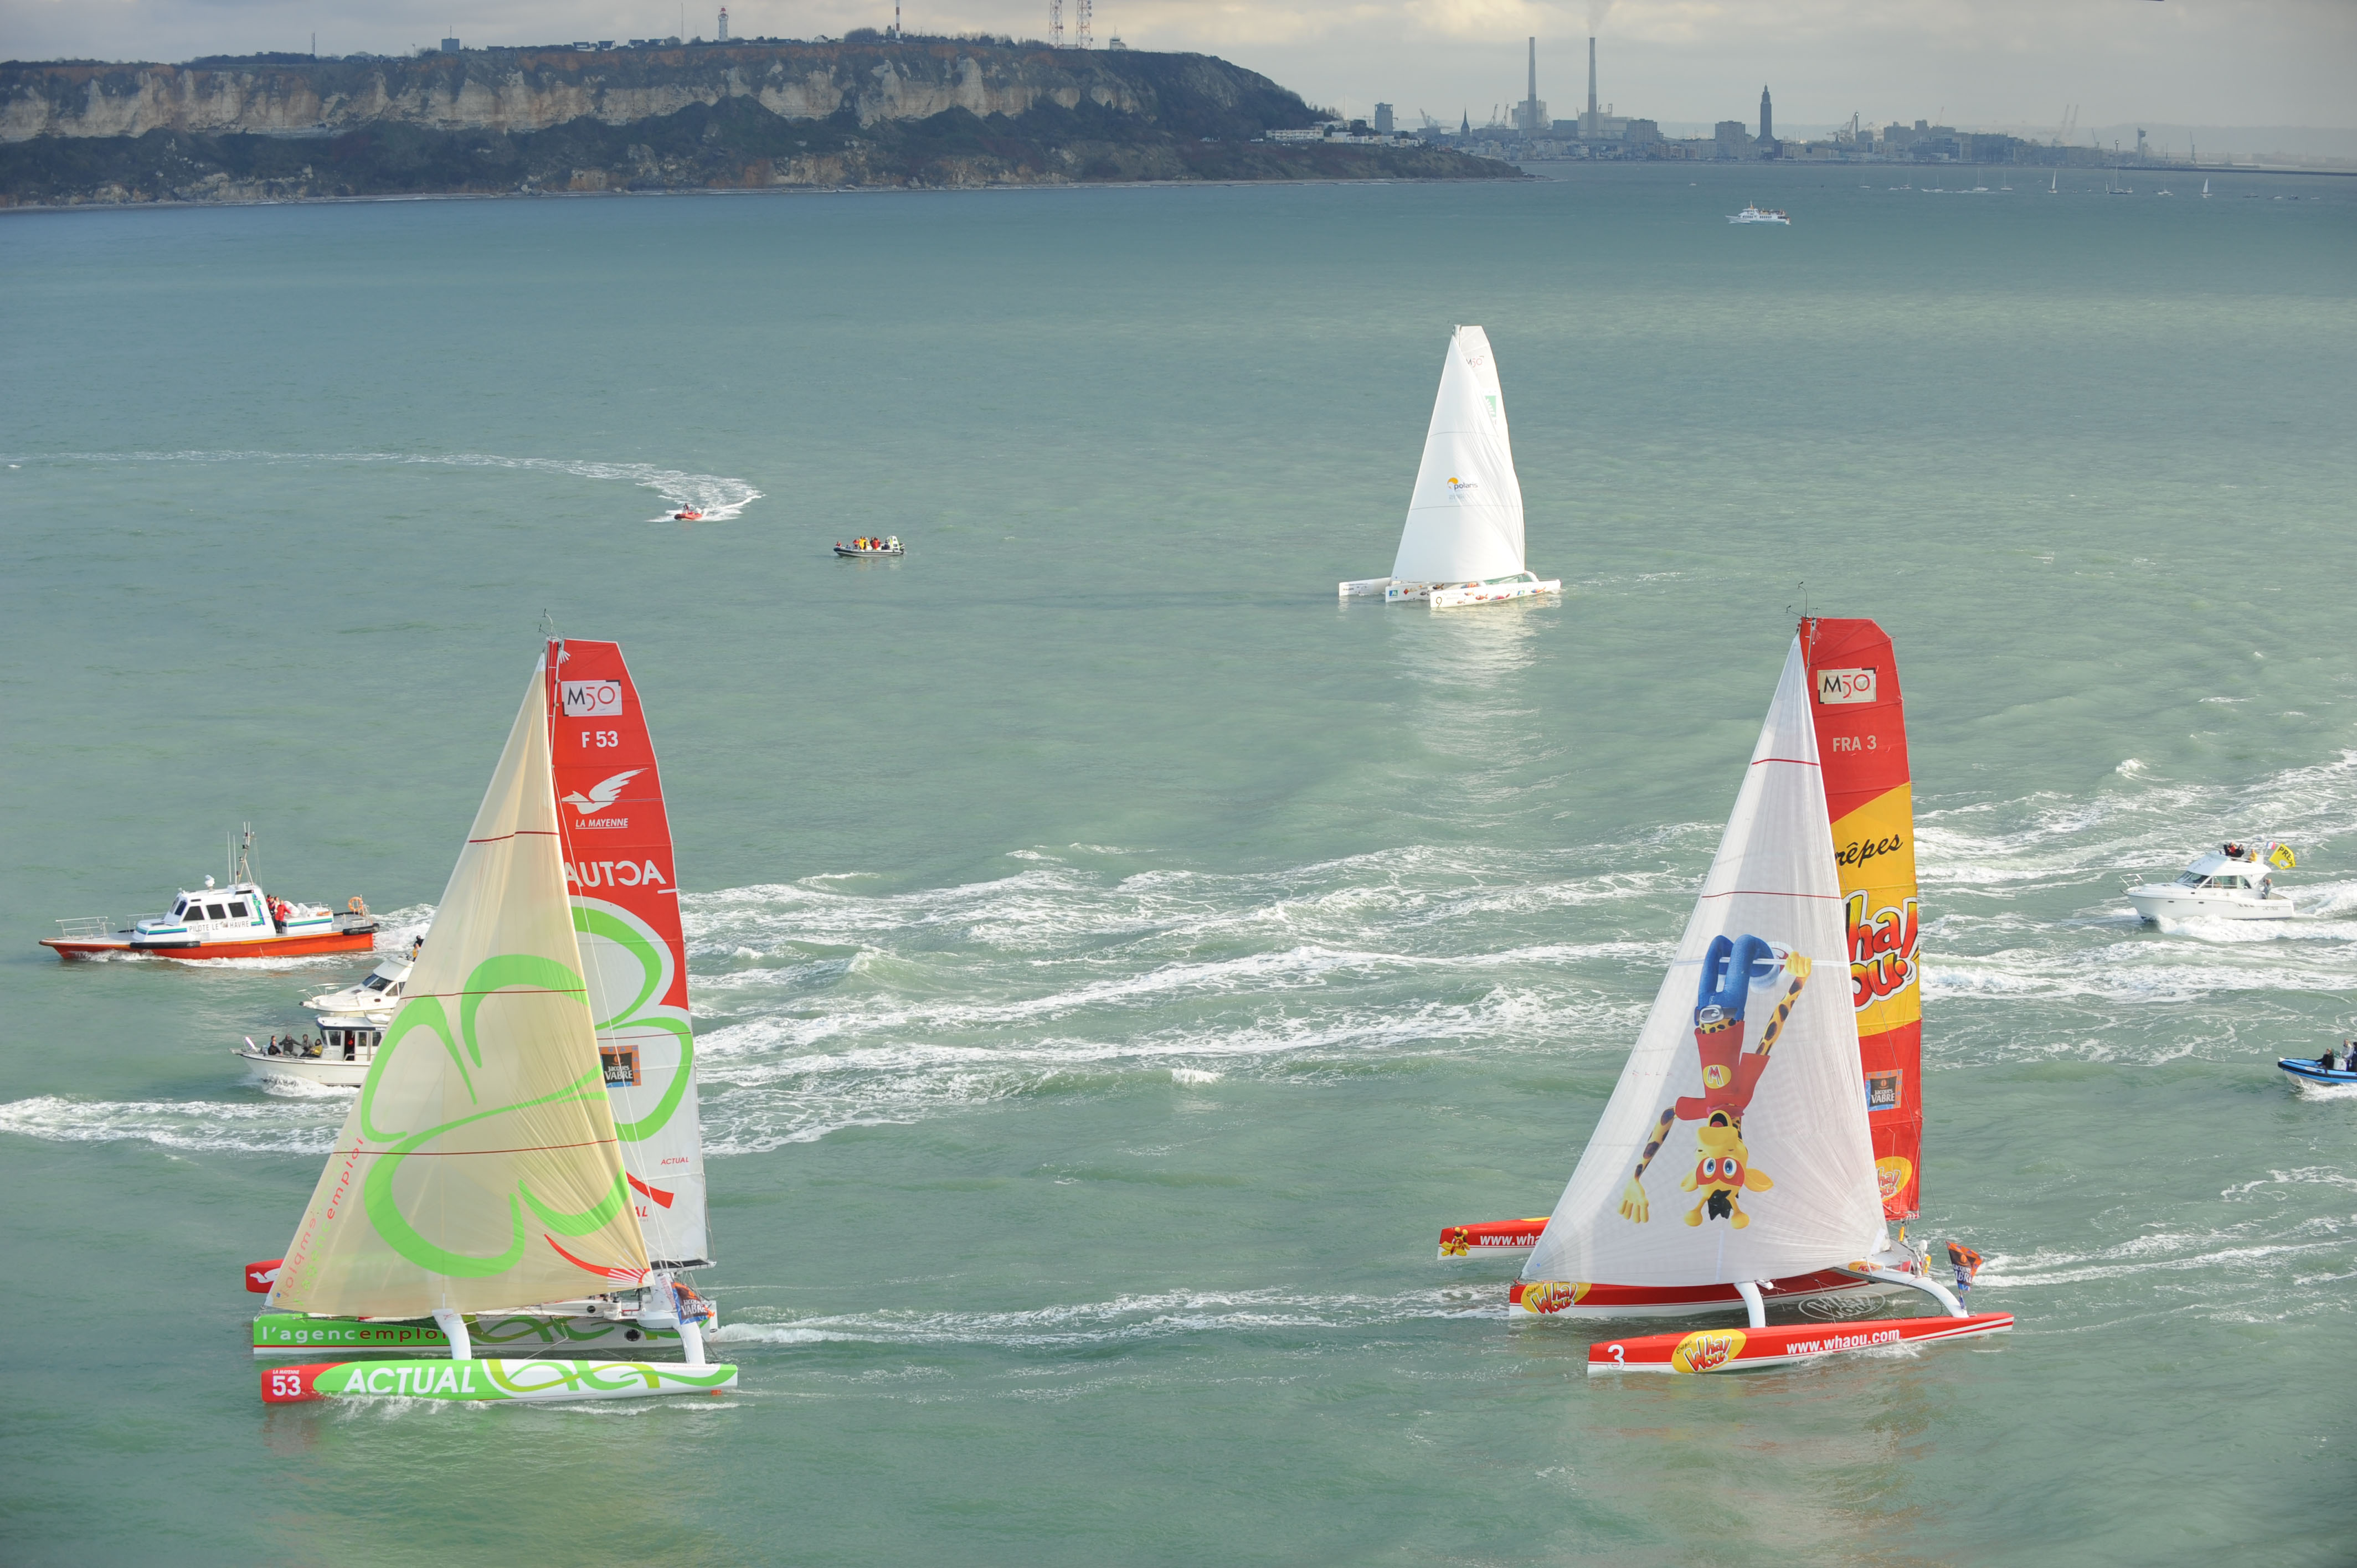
719	498
1125	1319
186	1124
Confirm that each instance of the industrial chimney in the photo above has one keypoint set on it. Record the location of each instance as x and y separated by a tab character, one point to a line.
1588	129
1533	114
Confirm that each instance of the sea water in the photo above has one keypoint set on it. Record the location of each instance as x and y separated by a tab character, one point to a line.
1115	959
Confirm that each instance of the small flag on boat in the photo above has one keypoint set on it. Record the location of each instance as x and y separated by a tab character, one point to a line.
2280	856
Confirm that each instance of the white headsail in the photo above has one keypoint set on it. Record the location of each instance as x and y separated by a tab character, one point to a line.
1735	1147
1465	519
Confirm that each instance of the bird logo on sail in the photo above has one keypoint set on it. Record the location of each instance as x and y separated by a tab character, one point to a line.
1723	1170
602	794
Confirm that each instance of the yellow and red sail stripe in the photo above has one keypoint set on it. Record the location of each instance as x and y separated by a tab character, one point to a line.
1861	725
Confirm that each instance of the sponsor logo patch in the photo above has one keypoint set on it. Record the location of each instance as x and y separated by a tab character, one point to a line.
1892	1174
1882	1093
589	698
1838	686
1706	1349
601	795
1544	1296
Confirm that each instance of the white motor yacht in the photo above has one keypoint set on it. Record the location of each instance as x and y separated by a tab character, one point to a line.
2237	883
374	997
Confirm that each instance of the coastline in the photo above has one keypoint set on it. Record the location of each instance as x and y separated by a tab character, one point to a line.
9	210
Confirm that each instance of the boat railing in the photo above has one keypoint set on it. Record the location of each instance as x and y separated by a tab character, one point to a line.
82	928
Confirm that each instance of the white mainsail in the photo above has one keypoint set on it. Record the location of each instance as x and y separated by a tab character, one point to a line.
1464	518
1735	1147
479	1169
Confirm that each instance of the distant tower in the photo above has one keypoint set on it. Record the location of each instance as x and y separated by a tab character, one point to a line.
1767	117
1384	122
895	18
1081	17
1588	128
1056	24
1464	123
724	24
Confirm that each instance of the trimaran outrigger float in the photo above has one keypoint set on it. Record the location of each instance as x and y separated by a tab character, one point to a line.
523	1169
1722	1178
1463	541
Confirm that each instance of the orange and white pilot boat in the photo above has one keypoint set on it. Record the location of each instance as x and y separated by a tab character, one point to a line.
237	921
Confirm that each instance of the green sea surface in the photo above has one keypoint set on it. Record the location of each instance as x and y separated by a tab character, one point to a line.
1115	959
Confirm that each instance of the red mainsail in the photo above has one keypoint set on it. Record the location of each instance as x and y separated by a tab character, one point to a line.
1861	724
625	893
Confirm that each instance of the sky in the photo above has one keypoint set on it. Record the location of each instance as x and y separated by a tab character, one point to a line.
1998	64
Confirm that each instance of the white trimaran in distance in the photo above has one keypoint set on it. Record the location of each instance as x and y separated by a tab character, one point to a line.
1720	1176
523	1165
1463	541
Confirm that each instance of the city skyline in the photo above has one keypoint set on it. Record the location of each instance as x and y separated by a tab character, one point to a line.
1985	63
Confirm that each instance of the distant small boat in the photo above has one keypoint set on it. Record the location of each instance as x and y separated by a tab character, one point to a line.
2205	190
2164	193
1754	214
870	549
2053	185
687	514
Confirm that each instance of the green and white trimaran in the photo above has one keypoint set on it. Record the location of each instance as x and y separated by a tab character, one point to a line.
529	1123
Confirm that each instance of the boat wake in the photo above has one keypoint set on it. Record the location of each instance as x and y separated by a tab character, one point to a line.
1125	1319
717	497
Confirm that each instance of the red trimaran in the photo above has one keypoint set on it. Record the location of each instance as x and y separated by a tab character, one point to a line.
1792	1123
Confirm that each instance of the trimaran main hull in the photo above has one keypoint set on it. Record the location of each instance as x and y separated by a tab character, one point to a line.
298	1334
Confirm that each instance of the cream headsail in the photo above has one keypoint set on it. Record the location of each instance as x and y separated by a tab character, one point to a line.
479	1169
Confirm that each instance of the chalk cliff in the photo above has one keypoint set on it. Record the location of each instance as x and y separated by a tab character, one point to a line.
533	90
924	112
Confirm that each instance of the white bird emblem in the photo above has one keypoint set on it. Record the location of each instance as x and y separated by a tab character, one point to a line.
603	795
